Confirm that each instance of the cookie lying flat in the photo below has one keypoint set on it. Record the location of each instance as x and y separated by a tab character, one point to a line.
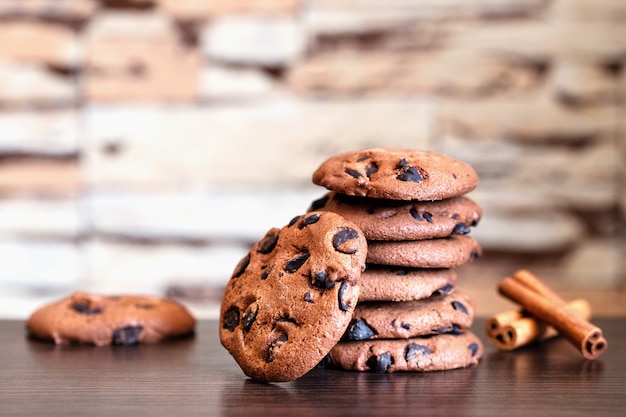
104	320
392	320
447	252
387	283
419	354
382	219
396	174
291	298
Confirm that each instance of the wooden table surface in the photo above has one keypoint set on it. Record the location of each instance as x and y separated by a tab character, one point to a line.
196	377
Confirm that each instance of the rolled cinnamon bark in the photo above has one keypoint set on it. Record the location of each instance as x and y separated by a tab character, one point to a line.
584	335
513	329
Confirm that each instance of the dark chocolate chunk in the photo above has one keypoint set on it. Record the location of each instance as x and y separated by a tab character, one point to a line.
405	326
231	319
363	158
241	267
294	264
271	350
358	329
428	216
457	305
415	349
473	347
455	216
380	363
341	237
415	214
325	363
268	243
461	228
308	298
453	329
249	316
371	169
293	221
319	203
313	218
353	173
400	272
446	289
266	273
402	163
343	305
85	308
410	174
128	335
320	279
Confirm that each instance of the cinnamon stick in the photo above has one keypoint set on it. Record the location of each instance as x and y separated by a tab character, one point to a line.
582	334
513	329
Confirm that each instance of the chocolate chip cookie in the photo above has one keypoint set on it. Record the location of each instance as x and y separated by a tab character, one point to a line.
396	174
105	320
291	298
389	283
450	313
436	353
447	252
382	219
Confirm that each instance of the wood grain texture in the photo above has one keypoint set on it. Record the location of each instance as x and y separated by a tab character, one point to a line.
196	377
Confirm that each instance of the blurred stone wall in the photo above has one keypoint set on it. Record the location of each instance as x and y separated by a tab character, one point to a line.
146	144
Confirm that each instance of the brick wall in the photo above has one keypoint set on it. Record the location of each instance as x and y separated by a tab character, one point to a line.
145	144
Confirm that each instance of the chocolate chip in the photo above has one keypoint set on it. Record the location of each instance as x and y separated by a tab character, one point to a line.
271	350
308	298
293	221
266	273
371	169
415	214
428	216
473	347
325	363
457	305
353	173
358	330
405	326
319	203
249	316
241	267
313	218
294	264
415	349
363	158
461	228
268	243
85	308
343	305
380	363
231	319
408	173
128	335
402	163
453	329
343	236
446	289
455	216
320	279
400	272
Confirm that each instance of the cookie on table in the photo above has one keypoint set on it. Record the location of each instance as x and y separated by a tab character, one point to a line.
291	298
105	320
450	313
418	354
389	283
396	174
449	252
383	219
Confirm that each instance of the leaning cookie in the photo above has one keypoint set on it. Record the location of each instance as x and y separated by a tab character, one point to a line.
382	219
419	354
104	320
450	313
447	252
389	283
291	298
396	174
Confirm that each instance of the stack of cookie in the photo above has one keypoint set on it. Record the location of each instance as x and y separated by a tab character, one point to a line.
412	209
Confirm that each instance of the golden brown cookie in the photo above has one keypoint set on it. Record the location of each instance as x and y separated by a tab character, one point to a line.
396	174
382	219
450	313
418	354
447	252
389	283
291	298
104	320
